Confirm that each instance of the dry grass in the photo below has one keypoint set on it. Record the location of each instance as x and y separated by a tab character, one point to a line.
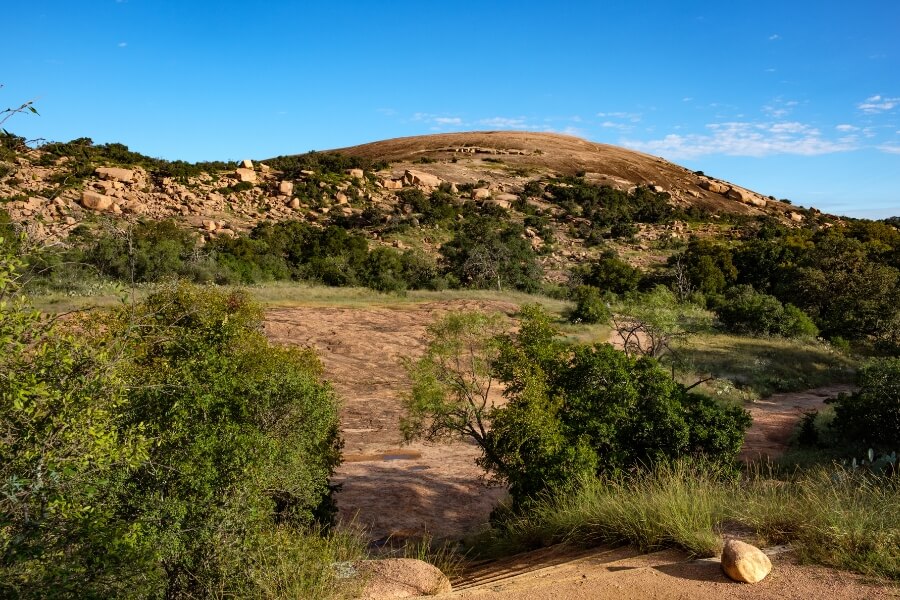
832	516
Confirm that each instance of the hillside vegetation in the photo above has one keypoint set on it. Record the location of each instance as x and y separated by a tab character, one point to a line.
163	447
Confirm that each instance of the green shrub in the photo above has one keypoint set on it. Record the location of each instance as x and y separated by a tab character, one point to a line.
245	436
611	274
163	449
589	306
870	418
66	455
744	310
487	252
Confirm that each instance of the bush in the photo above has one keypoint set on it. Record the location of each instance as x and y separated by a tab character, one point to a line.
159	451
67	452
870	418
744	310
589	306
611	274
487	252
571	410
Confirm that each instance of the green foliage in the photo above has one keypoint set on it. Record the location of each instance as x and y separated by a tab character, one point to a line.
571	410
486	252
606	207
589	306
611	274
66	454
870	417
744	310
244	434
322	163
652	323
451	383
84	156
148	251
161	450
708	266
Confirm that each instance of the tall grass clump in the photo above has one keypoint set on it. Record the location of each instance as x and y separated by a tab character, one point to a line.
288	564
674	504
833	516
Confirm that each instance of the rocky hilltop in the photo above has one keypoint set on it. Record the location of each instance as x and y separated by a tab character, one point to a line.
51	190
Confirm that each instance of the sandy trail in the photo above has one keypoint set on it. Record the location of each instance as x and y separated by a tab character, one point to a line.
624	574
391	489
776	418
406	490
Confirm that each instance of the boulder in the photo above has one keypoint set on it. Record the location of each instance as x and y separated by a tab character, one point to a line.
115	174
495	202
247	163
509	198
758	202
286	188
744	562
714	186
95	201
421	178
294	203
739	195
657	188
401	578
357	173
341	198
391	184
796	217
481	194
245	174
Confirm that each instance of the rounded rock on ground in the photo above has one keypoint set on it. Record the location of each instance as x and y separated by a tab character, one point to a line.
744	562
400	578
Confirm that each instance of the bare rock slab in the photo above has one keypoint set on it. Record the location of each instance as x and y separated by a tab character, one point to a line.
400	578
744	562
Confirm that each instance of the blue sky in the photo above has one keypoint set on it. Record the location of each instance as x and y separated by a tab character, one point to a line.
796	99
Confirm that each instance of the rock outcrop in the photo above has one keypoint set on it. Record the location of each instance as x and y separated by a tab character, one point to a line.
744	562
400	578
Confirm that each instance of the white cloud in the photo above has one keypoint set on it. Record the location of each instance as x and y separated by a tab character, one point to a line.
878	104
625	116
741	138
774	37
891	148
122	44
505	123
448	120
845	127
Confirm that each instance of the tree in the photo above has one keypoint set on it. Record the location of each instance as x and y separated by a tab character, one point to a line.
451	384
245	436
570	410
655	321
487	253
870	417
65	456
744	310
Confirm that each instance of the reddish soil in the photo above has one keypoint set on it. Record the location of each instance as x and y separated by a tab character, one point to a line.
776	418
391	489
623	574
399	491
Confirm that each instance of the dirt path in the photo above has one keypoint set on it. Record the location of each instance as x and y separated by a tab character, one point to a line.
405	491
391	489
623	574
776	418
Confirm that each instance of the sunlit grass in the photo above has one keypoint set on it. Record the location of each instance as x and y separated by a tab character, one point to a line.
831	516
